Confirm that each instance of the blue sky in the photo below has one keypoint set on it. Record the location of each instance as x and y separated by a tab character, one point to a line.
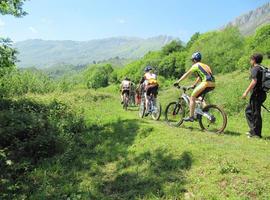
94	19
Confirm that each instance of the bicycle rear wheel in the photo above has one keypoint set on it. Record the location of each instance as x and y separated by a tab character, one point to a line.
175	113
215	121
156	113
125	105
142	108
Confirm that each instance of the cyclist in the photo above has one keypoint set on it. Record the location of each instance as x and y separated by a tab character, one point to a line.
206	78
150	86
125	88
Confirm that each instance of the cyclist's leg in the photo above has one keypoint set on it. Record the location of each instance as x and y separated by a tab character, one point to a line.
147	97
122	96
195	94
127	95
201	90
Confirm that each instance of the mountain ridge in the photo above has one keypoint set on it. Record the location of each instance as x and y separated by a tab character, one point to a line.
248	22
45	53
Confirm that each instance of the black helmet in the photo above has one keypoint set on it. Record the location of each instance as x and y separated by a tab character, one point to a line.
197	56
148	68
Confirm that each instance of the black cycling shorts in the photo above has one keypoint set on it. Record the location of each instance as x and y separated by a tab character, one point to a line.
125	91
151	89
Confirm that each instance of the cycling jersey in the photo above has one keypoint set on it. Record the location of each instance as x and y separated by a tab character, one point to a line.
125	85
203	71
150	78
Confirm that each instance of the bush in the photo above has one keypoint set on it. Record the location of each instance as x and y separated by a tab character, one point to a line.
98	76
26	81
29	133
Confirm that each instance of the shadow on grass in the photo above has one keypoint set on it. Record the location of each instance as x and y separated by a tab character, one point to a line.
58	158
110	170
232	133
158	174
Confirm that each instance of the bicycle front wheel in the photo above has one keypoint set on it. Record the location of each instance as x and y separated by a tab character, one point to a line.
175	113
214	119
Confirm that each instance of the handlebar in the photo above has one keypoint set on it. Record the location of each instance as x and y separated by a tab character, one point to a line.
184	88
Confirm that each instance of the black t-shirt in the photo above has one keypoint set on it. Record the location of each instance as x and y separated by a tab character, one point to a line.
256	73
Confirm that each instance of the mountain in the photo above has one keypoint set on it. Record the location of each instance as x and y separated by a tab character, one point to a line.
248	22
45	53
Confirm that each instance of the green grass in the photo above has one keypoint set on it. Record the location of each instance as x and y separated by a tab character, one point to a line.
119	156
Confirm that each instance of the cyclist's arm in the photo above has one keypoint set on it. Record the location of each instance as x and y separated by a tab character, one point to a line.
196	82
142	80
185	76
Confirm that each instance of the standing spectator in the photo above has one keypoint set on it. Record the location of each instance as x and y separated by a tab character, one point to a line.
258	96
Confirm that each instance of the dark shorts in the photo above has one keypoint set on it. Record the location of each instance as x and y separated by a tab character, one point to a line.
151	89
125	91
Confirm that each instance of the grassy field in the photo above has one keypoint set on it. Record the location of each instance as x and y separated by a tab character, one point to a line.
119	156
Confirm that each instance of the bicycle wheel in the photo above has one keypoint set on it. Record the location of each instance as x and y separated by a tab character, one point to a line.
141	109
175	113
156	113
215	120
125	105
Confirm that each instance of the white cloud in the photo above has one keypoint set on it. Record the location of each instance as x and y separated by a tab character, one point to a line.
2	23
33	30
121	21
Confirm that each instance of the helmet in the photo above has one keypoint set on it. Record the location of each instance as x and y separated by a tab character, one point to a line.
197	56
148	68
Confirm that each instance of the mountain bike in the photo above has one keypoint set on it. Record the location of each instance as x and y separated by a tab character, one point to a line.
211	118
154	107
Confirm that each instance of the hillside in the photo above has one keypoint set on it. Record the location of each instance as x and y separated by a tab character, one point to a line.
119	156
247	23
42	53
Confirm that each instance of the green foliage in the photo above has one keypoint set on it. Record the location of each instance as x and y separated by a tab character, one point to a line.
173	65
21	82
174	46
220	49
7	56
193	39
31	132
98	76
12	7
260	42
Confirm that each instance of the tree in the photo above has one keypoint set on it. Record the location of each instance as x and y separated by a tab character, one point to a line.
173	65
220	49
260	42
193	39
174	46
98	76
12	7
7	56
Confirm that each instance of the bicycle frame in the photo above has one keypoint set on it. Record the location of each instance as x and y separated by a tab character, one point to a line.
198	109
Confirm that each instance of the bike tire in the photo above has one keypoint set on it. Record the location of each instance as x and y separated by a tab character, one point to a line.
175	107
125	105
223	115
154	116
141	109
